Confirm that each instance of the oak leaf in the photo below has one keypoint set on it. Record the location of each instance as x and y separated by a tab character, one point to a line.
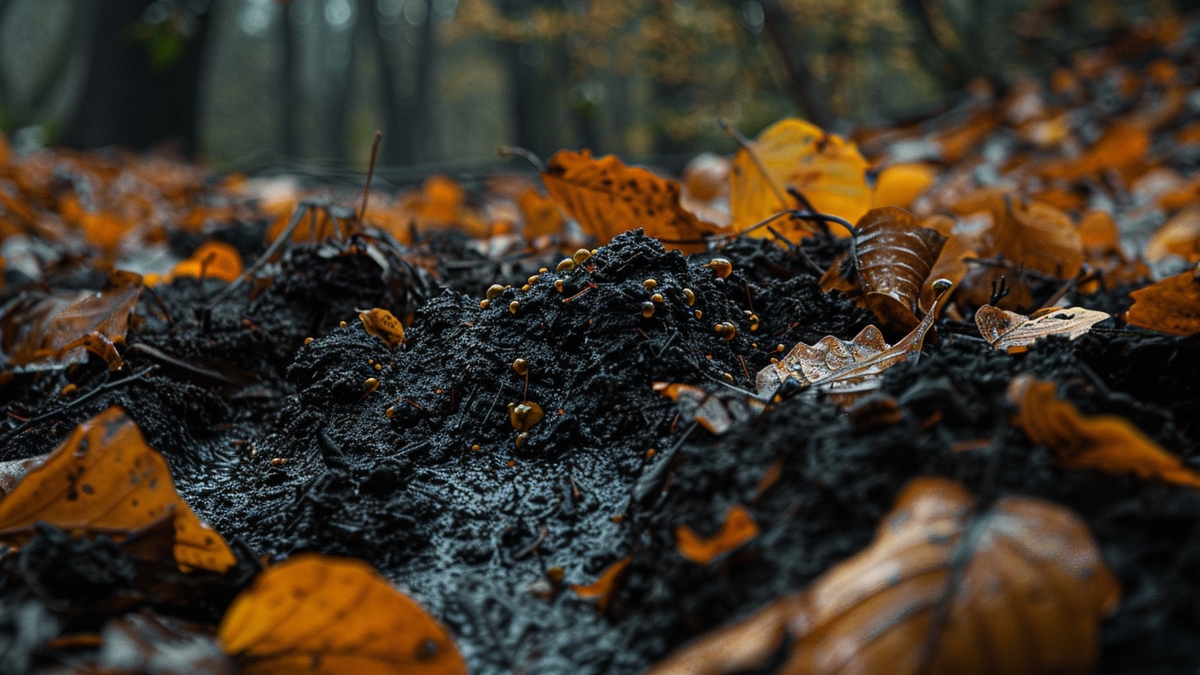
1169	306
1018	589
104	478
827	169
321	614
1014	333
607	198
1105	442
737	529
844	370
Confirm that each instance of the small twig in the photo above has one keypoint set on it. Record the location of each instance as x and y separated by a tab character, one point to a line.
515	151
362	213
107	386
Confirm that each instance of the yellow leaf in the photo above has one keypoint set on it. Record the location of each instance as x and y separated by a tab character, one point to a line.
827	169
901	184
320	614
105	478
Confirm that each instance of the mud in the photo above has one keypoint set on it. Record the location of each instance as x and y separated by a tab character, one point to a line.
282	445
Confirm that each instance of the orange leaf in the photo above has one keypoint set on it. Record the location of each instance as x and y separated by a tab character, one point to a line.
901	184
384	325
1170	306
1178	236
739	527
104	478
604	587
1021	588
1038	236
541	214
608	198
320	614
1122	145
828	170
1106	442
1014	332
213	259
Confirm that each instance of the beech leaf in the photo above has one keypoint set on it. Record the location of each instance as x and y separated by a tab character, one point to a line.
1020	588
1105	442
1013	333
320	614
104	478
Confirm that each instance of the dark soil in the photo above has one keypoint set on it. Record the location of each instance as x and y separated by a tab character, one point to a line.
281	446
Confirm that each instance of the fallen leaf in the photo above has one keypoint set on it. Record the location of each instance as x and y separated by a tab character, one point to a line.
1178	236
541	215
893	255
383	325
1014	333
1020	588
1122	145
608	198
603	588
1169	306
716	412
1037	236
320	614
844	370
104	478
212	259
828	170
737	529
1105	442
901	184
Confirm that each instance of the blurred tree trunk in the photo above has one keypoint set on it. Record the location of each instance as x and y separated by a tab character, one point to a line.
288	95
419	140
396	147
126	99
803	87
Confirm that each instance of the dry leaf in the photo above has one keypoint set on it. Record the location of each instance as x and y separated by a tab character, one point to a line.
901	184
1169	306
1122	145
893	256
383	325
739	527
1178	236
828	170
1037	236
320	614
1106	442
1014	333
603	588
53	330
541	214
212	259
844	370
1020	589
715	411
104	478
608	198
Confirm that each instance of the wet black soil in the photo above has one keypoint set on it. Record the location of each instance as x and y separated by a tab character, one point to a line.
283	447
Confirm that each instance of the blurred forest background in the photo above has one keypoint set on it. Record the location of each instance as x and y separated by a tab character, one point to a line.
249	84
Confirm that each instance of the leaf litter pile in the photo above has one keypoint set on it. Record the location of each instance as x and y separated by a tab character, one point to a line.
920	401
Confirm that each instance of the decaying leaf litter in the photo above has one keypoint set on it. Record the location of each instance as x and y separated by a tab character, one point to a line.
451	387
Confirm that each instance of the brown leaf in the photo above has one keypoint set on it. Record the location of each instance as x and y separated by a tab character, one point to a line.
608	198
1104	442
1178	236
844	370
105	478
1018	589
1169	306
893	255
715	411
320	614
1037	236
1014	332
383	325
739	527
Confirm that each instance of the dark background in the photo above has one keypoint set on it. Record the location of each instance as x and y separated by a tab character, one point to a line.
256	83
